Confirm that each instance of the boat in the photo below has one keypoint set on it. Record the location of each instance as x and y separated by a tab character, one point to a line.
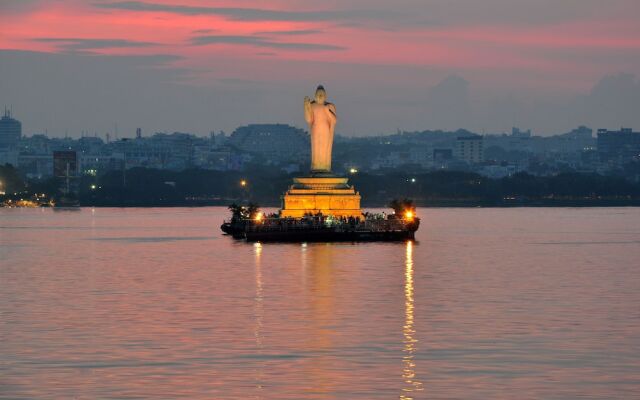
322	229
66	203
321	206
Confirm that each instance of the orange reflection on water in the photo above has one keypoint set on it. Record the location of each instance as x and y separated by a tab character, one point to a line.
322	316
408	330
259	316
154	303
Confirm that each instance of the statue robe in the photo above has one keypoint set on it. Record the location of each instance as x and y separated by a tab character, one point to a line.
322	121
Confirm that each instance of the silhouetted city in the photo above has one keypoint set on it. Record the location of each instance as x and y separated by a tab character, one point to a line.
434	167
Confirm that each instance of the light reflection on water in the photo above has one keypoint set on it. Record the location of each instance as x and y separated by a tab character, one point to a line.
156	303
410	342
259	314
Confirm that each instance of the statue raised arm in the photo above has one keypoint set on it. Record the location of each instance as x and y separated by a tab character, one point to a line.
321	117
308	112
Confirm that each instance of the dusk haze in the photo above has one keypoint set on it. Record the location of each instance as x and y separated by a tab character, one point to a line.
292	200
195	66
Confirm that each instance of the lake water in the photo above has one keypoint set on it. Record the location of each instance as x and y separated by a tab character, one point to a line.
528	303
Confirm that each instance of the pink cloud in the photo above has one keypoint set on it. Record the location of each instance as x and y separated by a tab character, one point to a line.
478	47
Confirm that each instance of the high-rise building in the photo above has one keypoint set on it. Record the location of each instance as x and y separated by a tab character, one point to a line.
470	149
618	146
10	131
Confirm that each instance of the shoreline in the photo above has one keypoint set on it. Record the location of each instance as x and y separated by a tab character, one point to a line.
533	204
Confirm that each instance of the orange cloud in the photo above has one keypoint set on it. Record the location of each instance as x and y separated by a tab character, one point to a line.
199	34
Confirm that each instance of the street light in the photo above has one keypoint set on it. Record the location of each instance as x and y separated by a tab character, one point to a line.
243	183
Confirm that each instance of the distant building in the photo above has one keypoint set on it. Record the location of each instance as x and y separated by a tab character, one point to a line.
10	131
470	149
516	132
8	156
576	141
161	151
36	144
89	144
442	154
580	133
618	146
213	158
275	142
96	164
36	165
393	159
499	171
65	164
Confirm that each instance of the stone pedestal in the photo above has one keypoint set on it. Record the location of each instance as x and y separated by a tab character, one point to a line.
330	195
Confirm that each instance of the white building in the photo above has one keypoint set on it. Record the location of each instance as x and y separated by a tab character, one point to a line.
470	149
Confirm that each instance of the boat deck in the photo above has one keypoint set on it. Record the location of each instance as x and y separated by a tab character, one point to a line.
319	230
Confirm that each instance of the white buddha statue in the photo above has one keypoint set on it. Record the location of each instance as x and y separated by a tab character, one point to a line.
321	117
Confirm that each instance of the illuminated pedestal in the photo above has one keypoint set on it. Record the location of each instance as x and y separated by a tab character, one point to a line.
328	195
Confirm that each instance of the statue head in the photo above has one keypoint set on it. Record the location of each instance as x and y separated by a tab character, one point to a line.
321	95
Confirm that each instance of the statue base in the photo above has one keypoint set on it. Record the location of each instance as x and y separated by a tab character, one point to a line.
321	193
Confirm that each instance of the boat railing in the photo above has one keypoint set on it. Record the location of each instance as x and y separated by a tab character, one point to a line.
285	225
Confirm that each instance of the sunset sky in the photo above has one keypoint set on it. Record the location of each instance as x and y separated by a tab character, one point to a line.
196	66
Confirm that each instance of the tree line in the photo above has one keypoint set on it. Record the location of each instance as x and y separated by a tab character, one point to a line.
264	185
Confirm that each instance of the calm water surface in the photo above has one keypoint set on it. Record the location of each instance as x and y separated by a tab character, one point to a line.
156	303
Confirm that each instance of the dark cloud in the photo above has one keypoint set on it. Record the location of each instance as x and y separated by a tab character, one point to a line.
614	101
611	103
248	14
260	41
17	6
410	14
78	92
447	104
60	91
83	44
291	32
238	81
151	60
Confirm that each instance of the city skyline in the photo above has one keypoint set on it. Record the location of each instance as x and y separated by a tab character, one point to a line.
194	67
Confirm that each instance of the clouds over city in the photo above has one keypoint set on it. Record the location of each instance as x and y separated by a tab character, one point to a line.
80	44
408	64
244	14
260	41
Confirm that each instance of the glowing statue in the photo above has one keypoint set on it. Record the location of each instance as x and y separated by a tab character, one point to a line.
321	117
